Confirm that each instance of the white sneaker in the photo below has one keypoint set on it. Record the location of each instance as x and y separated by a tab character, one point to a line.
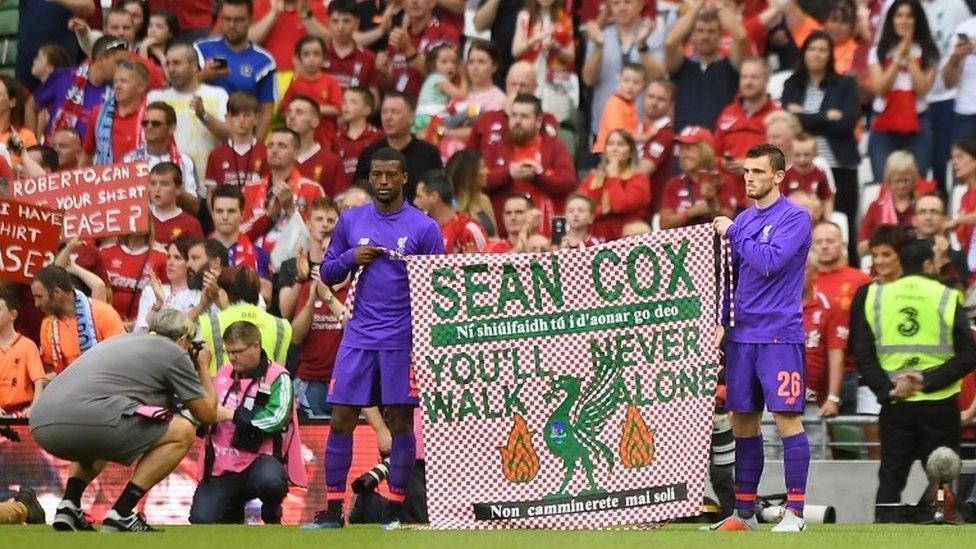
791	522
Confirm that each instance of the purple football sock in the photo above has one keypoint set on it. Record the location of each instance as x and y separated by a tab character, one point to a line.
796	464
403	454
749	461
338	459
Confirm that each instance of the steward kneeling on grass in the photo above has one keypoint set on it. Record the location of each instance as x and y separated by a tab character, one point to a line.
254	449
114	404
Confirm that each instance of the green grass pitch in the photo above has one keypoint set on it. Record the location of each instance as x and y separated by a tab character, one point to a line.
835	536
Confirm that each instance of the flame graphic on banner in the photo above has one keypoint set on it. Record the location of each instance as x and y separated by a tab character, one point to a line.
520	462
636	441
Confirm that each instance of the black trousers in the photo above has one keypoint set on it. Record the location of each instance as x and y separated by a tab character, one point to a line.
911	431
846	200
221	500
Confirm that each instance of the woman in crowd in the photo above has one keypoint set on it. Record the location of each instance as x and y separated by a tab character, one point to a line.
139	10
162	31
175	295
701	193
129	264
620	193
483	95
896	203
826	103
13	100
964	168
903	69
467	172
544	37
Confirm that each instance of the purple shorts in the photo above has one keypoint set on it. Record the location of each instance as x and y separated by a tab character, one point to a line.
770	373
373	377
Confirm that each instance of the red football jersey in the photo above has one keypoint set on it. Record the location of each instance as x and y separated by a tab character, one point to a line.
681	193
826	330
358	68
128	273
227	166
840	284
324	90
660	150
174	226
318	354
349	150
463	235
814	182
405	78
322	166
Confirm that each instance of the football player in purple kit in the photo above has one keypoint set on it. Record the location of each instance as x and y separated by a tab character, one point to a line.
373	363
764	352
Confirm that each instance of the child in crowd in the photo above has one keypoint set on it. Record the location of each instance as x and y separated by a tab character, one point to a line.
169	221
544	38
442	94
48	59
22	374
621	110
580	212
311	81
635	228
355	132
804	175
241	160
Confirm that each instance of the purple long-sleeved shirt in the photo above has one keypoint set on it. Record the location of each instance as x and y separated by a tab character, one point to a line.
381	312
769	249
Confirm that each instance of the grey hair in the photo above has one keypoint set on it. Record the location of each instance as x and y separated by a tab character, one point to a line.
173	324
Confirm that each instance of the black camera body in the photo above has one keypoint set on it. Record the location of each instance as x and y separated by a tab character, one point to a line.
247	437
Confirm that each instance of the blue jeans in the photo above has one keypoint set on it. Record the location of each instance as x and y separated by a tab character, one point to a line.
941	114
882	144
312	397
964	126
221	500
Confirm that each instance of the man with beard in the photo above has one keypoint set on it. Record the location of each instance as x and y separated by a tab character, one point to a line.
529	161
234	63
764	353
373	362
396	117
490	126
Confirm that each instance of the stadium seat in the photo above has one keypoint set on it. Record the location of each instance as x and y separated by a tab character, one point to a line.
840	218
869	193
9	25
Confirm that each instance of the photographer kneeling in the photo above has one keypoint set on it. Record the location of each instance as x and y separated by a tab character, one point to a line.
254	449
114	404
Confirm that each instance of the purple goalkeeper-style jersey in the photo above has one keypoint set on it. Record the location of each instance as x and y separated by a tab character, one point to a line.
381	311
769	251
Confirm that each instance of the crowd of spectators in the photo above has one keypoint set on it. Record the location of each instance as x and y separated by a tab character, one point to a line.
258	119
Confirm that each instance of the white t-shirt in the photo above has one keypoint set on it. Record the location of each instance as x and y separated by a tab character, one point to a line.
186	166
192	137
966	96
183	300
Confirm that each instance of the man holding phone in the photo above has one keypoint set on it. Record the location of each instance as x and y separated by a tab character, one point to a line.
234	63
531	162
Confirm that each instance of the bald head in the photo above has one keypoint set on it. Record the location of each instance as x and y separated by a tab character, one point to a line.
521	79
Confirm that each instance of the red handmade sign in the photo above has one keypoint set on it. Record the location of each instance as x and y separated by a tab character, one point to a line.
28	239
99	201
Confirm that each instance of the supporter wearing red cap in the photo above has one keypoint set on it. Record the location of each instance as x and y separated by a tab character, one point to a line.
701	193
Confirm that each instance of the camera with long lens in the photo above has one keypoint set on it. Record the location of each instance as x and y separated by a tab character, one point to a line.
370	480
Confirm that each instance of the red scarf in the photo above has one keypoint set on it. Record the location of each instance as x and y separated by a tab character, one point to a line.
73	107
244	253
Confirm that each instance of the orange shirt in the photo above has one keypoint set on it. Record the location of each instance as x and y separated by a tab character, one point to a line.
843	53
107	324
20	367
618	114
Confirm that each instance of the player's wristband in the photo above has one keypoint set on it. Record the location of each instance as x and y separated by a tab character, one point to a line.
834	398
